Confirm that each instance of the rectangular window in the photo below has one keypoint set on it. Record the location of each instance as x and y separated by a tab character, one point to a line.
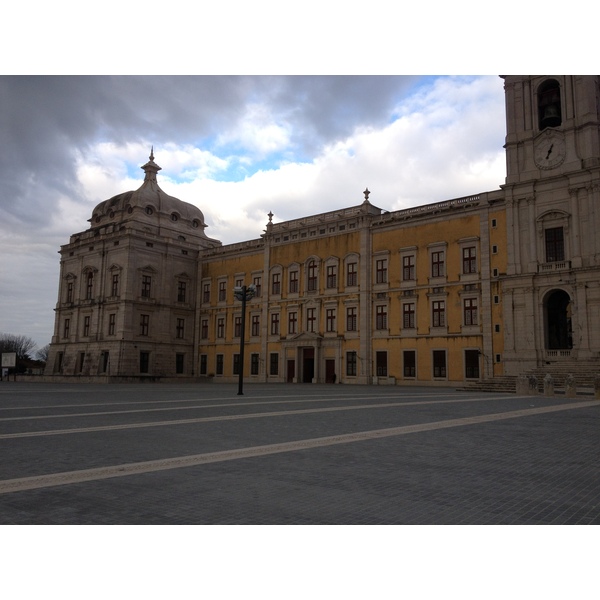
311	319
274	363
89	289
555	244
180	329
237	327
257	284
381	317
352	274
144	362
86	326
439	363
312	276
179	363
219	369
331	276
70	292
276	284
470	311
144	324
408	315
408	268
104	361
410	363
351	319
381	364
439	313
81	361
294	285
255	325
275	324
351	364
112	318
203	364
221	327
381	270
146	286
292	322
254	364
66	327
115	285
222	291
469	260
181	291
437	264
236	364
206	292
204	329
330	319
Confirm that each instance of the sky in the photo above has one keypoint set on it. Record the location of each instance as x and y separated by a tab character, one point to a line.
237	147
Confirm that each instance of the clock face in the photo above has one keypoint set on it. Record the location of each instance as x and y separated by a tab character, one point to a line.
549	150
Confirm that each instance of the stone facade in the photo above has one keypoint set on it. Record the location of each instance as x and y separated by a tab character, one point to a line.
471	288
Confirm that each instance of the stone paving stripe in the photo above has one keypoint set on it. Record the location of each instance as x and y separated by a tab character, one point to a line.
70	477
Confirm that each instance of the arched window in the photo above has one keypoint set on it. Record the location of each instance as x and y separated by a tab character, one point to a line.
549	104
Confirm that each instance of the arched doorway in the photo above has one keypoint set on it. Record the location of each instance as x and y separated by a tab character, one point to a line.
558	321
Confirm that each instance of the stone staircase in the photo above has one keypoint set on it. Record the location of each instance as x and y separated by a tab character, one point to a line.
583	373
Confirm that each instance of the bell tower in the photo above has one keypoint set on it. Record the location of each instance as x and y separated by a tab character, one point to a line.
551	293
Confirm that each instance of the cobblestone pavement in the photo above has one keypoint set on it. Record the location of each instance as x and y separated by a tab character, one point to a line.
294	454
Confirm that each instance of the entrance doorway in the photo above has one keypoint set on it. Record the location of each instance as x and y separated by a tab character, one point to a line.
472	364
291	370
330	375
558	321
308	365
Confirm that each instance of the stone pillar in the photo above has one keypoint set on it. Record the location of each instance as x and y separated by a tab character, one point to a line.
570	388
548	385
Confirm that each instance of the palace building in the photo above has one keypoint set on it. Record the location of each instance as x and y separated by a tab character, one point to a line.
473	288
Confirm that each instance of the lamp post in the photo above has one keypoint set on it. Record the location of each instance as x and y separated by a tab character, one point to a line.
244	294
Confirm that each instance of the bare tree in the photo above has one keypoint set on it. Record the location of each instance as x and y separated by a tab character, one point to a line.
21	344
42	353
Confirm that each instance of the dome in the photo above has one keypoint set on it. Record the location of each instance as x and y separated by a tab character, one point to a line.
150	204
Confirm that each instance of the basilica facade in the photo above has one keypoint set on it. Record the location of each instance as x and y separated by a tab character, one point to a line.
467	289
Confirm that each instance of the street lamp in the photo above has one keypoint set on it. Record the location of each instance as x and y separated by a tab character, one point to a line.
244	294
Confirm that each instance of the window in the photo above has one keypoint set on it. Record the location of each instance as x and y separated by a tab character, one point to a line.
179	363
181	291
144	362
89	288
236	364
237	327
410	363
222	291
470	311
292	322
146	286
274	363
219	364
255	325
437	264
408	315
331	276
439	363
206	292
439	313
86	326
312	276
104	361
111	323
81	361
254	364
294	285
311	318
381	317
204	329
330	319
408	268
257	284
144	324
275	324
203	364
276	284
66	328
469	260
381	270
381	364
351	274
351	319
555	244
115	285
351	364
179	330
220	327
70	292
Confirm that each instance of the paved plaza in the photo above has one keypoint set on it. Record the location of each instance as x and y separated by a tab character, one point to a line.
294	454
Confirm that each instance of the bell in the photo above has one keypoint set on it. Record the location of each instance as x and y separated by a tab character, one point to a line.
551	116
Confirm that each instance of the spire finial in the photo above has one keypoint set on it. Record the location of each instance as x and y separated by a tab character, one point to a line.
152	152
366	193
